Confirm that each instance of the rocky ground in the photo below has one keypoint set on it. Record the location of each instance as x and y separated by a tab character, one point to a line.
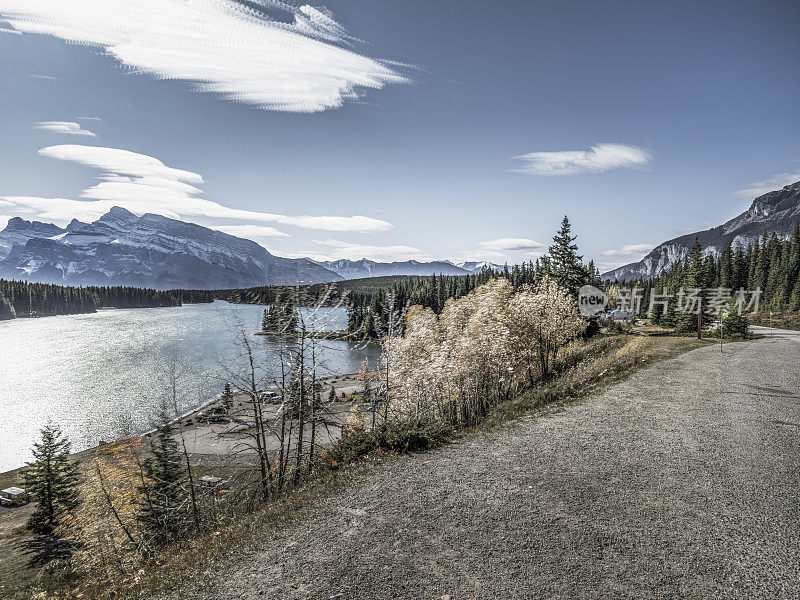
681	482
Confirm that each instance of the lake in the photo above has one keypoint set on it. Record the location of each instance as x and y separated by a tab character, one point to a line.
106	375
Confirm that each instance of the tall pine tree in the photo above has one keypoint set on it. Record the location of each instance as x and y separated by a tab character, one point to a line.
163	513
52	479
566	265
694	278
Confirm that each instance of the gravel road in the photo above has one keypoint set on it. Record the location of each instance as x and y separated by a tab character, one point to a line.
681	482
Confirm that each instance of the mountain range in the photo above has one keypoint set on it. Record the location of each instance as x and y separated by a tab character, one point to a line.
774	212
358	269
154	251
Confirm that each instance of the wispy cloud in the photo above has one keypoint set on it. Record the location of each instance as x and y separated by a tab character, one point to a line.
776	182
251	232
599	158
502	250
67	127
11	31
235	49
482	256
144	184
511	244
354	251
44	77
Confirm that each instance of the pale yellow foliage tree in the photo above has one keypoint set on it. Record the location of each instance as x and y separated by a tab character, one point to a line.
454	366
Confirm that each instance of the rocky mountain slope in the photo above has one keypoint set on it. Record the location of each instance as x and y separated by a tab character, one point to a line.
148	251
777	211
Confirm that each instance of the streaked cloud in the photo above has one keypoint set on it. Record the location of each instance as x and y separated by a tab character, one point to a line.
144	184
776	182
338	249
119	162
482	256
251	232
511	244
11	31
501	251
267	53
67	127
598	159
44	77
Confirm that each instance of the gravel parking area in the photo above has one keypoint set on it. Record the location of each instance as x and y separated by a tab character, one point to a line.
681	482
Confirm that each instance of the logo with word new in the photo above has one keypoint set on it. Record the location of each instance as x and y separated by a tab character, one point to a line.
591	300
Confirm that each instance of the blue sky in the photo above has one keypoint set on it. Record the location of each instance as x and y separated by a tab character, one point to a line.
390	130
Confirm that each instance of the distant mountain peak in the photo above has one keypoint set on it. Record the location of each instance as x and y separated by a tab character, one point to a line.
120	248
774	212
117	213
16	223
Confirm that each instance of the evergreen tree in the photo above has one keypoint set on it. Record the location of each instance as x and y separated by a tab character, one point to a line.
566	265
734	325
163	513
52	479
693	278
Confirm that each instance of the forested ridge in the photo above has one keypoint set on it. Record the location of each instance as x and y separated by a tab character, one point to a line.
22	299
770	265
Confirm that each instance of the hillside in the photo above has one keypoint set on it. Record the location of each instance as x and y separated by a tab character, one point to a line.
777	211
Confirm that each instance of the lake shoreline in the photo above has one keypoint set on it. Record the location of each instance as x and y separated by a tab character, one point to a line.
101	376
344	336
347	381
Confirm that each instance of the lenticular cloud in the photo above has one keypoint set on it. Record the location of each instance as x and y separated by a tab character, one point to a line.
222	46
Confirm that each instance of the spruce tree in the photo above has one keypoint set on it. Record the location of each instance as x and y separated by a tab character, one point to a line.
163	512
693	277
52	479
566	265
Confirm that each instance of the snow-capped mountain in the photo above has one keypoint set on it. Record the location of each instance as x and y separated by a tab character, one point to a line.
120	248
148	251
474	267
19	231
777	211
358	269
